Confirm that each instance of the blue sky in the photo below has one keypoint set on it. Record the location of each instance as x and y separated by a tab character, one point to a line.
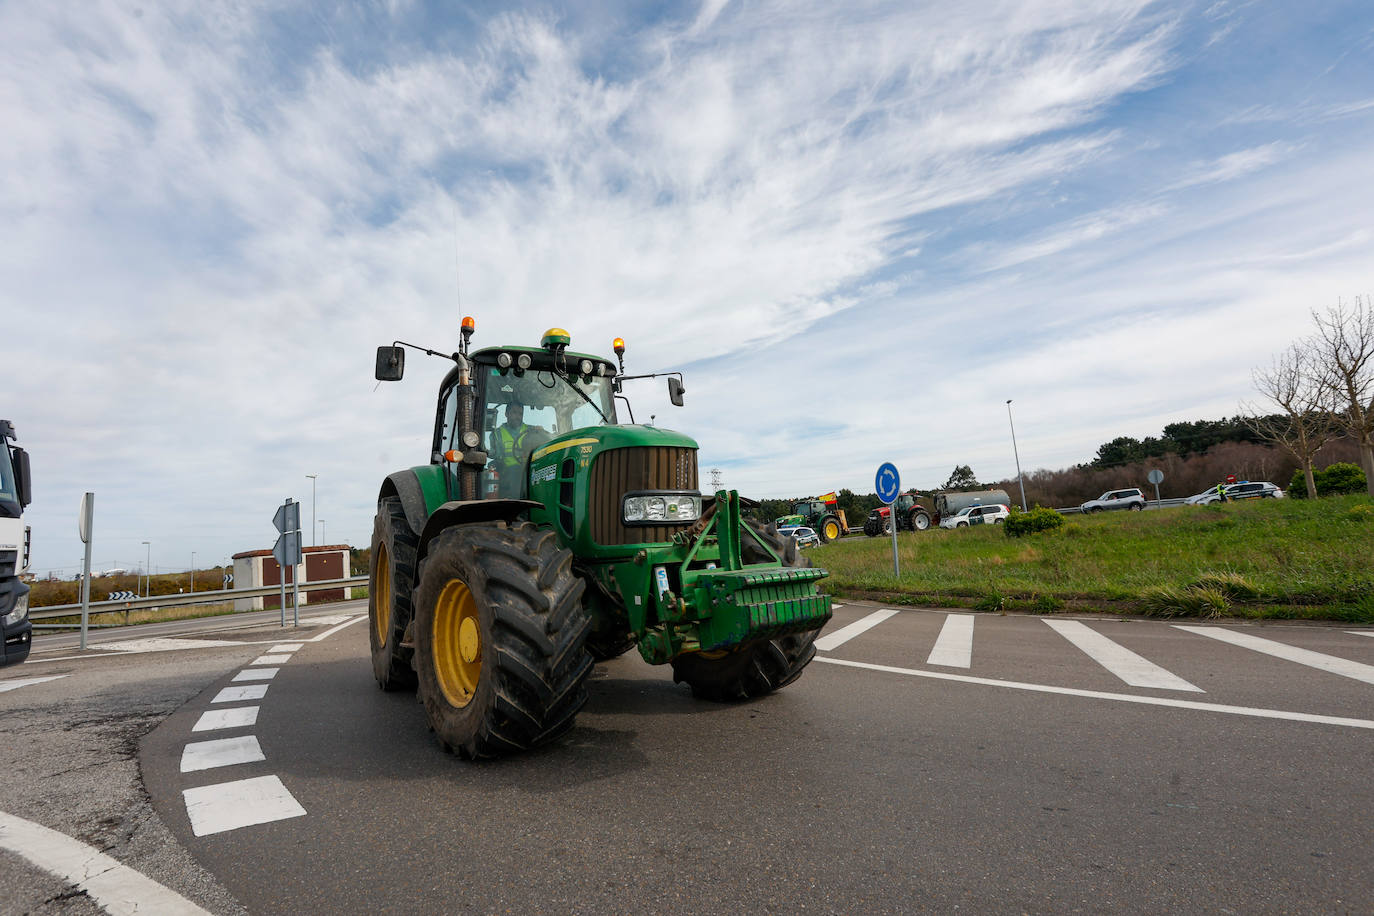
858	228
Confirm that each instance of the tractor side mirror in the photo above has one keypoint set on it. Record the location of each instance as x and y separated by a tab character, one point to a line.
391	364
22	477
675	390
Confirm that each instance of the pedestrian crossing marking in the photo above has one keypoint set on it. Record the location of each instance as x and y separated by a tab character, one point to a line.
1329	663
954	647
845	634
1131	668
242	803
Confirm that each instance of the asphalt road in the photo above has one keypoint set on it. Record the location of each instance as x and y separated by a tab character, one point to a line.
1025	776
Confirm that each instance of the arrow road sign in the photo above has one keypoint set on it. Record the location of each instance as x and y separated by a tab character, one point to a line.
287	550
288	517
228	579
121	596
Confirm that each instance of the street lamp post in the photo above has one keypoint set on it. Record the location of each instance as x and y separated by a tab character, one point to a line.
322	531
193	572
1021	483
312	509
148	570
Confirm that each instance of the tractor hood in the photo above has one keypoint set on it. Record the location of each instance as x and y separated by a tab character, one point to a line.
592	439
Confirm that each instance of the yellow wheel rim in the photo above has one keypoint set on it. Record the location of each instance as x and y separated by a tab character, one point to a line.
457	643
832	531
383	598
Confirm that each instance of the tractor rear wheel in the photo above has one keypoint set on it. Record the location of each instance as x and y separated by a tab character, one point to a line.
391	576
500	638
873	527
759	667
830	529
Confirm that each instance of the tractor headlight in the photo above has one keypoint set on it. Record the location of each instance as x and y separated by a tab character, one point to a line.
585	367
21	610
658	508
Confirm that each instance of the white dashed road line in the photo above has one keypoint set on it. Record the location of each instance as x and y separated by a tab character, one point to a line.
222	752
244	803
1119	697
1330	663
270	659
241	694
257	674
954	648
215	719
118	889
28	682
845	634
1120	661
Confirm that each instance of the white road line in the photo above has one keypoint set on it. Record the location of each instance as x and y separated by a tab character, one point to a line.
166	644
243	803
257	674
1120	661
270	660
118	889
222	752
1361	632
1118	697
240	694
240	717
845	634
1329	663
286	647
28	681
332	630
954	648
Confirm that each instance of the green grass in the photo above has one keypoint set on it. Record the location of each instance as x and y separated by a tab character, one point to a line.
1311	559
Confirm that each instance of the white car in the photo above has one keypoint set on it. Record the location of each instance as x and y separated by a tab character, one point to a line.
976	515
1242	490
1129	498
805	537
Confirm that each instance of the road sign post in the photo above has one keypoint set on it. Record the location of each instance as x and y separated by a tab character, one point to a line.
888	483
1156	477
84	522
287	552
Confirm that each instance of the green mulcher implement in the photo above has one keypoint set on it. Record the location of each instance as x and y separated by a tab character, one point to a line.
545	534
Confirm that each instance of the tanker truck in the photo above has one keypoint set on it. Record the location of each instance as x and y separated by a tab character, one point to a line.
15	491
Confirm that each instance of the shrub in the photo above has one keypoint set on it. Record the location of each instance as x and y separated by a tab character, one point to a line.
1341	477
1233	585
1360	512
1036	520
1165	601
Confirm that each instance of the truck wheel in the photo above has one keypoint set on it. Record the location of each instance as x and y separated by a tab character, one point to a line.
500	637
919	521
830	529
603	647
391	576
756	668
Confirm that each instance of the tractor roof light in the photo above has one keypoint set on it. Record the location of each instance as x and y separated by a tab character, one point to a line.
504	360
618	345
585	367
467	327
523	361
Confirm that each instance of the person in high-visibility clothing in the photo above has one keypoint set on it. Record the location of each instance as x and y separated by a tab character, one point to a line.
1221	493
512	443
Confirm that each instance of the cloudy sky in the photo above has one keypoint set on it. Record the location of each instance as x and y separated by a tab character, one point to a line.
857	228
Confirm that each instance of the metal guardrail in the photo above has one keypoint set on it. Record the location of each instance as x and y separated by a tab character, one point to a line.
1149	504
216	597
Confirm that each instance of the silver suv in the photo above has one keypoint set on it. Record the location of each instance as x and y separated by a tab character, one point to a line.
1129	498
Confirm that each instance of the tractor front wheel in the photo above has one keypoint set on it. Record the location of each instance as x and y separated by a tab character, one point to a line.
756	668
391	576
919	521
830	529
500	638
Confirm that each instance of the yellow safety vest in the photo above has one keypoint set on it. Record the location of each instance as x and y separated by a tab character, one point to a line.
511	454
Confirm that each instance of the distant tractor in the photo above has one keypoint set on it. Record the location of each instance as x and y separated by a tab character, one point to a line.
545	534
911	516
823	515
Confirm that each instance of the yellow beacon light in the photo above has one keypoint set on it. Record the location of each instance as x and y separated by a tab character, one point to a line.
468	324
618	345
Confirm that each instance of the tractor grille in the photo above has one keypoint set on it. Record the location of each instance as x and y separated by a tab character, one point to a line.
622	470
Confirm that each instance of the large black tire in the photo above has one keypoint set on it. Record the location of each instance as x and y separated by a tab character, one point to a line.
873	527
603	646
500	638
391	577
755	668
830	529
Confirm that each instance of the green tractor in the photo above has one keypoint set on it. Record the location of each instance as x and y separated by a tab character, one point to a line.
545	534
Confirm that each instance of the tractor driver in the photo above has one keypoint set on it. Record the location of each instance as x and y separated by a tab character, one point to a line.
512	443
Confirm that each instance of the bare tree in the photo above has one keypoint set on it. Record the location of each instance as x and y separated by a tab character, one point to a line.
1344	348
1305	425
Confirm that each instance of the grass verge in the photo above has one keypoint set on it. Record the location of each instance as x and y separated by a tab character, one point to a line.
1262	559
